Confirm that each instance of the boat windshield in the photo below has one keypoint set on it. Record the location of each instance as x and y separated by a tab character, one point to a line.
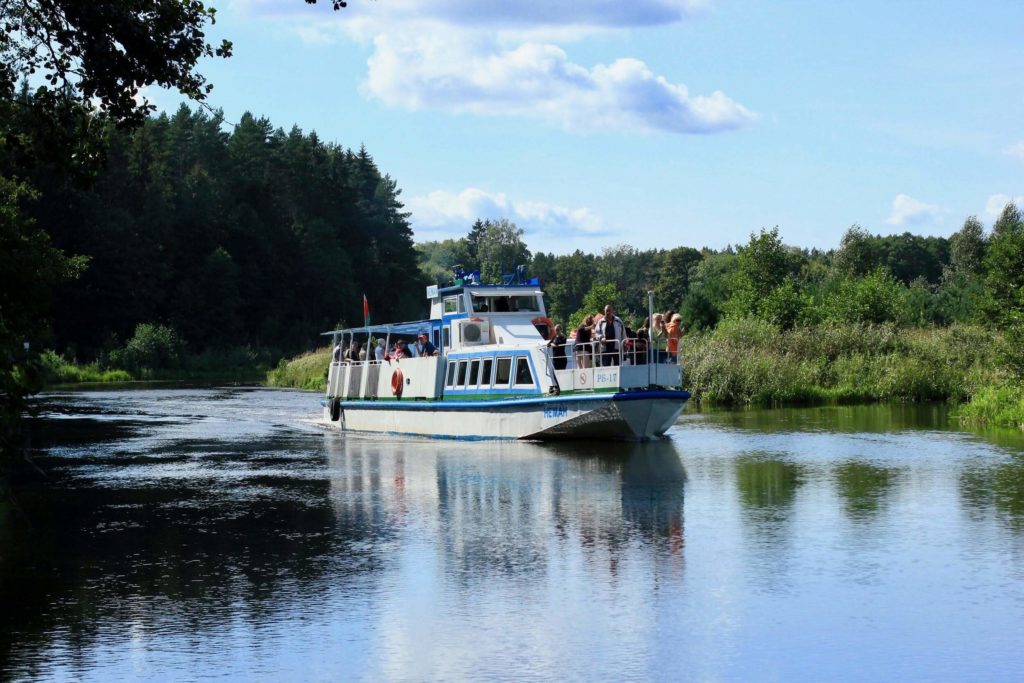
505	304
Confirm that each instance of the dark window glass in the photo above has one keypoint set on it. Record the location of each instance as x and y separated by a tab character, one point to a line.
523	374
462	373
504	373
485	376
451	374
474	373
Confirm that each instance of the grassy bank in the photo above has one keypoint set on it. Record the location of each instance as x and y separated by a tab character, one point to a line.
223	367
748	362
995	406
308	371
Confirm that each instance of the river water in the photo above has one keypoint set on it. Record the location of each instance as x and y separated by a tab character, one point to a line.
221	534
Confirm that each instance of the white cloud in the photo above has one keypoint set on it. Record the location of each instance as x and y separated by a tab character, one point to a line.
446	214
997	202
505	59
539	81
1016	150
908	211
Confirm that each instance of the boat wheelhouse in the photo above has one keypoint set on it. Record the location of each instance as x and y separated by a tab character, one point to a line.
494	375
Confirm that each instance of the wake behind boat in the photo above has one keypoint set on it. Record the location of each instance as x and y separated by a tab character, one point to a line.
485	370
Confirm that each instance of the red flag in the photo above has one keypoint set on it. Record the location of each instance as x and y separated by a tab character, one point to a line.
366	312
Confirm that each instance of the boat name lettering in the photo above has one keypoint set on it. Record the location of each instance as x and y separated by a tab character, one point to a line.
555	411
607	377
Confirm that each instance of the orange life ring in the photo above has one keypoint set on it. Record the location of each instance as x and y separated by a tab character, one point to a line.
397	381
541	320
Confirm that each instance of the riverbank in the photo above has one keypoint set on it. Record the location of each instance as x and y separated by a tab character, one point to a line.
751	363
58	371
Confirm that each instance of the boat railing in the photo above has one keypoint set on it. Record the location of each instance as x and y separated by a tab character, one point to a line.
622	365
629	351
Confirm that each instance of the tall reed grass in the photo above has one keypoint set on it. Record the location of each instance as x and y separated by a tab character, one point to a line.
750	362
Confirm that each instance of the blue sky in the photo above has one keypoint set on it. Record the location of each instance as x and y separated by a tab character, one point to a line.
654	123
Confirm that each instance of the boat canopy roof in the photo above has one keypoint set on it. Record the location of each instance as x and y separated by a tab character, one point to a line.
411	328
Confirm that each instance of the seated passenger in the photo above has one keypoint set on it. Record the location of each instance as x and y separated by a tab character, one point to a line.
423	346
401	350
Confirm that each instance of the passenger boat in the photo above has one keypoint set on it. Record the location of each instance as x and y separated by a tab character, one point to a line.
494	376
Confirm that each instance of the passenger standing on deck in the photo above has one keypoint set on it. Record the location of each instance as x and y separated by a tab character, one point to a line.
610	332
557	345
659	338
675	333
584	335
378	351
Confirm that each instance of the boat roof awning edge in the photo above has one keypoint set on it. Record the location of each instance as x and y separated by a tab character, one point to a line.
414	327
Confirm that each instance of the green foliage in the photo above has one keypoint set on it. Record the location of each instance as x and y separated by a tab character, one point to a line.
254	237
574	276
1004	270
438	258
308	371
875	298
594	302
57	370
997	405
30	269
500	249
762	283
857	254
673	281
105	53
153	347
967	247
710	288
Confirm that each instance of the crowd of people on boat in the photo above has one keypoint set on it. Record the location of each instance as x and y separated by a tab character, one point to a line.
603	339
355	352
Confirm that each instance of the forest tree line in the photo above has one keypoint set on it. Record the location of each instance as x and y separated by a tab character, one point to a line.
973	276
240	236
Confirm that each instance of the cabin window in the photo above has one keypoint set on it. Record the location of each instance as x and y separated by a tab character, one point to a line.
462	303
485	376
451	304
474	373
523	374
525	303
451	374
504	373
480	304
447	337
437	338
462	373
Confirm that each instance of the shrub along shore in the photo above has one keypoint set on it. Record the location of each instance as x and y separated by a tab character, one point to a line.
748	362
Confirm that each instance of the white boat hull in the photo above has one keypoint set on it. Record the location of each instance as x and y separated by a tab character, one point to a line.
633	415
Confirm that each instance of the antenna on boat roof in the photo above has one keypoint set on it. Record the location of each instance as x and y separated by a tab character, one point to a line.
517	277
461	277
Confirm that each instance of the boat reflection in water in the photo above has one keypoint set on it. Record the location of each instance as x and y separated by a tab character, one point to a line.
512	507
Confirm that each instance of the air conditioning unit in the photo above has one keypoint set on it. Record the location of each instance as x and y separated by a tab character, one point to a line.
474	331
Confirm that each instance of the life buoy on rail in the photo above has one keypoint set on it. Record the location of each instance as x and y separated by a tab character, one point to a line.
397	382
540	321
